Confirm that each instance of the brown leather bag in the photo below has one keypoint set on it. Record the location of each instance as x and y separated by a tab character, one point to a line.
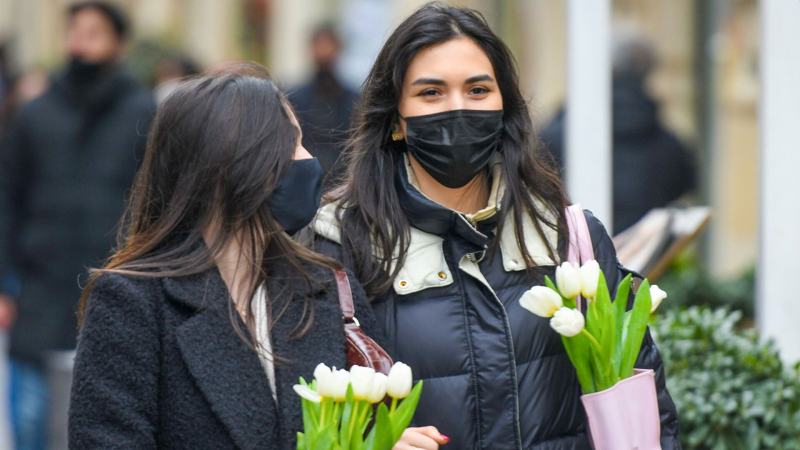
361	349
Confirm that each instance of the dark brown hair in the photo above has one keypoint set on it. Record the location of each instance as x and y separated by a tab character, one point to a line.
217	148
368	208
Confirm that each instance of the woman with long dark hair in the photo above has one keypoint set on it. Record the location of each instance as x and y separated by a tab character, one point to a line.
198	326
449	212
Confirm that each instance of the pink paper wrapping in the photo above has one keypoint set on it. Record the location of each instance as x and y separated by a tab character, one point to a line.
625	416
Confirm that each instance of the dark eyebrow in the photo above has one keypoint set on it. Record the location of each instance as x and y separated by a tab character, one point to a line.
434	81
479	78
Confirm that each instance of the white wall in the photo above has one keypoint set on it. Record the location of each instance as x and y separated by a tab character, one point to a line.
778	309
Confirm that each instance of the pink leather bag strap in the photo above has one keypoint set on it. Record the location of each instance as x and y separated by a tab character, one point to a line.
580	249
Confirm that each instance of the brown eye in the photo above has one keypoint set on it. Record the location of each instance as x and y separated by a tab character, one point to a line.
478	90
429	93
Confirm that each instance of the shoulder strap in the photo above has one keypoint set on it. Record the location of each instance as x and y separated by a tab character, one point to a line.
580	248
345	295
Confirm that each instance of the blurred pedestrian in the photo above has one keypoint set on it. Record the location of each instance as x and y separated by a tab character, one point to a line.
651	166
324	105
66	162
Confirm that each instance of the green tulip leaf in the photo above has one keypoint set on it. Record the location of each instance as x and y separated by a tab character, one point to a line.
620	306
347	418
381	437
326	439
405	412
608	326
577	348
594	324
634	335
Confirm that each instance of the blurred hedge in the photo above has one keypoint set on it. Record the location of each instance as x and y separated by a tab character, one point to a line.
689	284
731	389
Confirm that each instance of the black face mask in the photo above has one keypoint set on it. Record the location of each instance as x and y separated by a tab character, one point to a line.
82	72
454	146
295	200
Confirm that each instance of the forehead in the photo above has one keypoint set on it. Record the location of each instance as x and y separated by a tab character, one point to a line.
91	17
456	59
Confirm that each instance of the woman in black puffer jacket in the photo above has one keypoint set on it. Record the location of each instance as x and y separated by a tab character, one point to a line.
449	213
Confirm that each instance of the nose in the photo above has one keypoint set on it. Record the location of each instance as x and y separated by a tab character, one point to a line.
455	102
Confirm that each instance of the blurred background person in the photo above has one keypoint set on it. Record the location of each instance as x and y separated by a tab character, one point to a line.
324	104
66	162
651	166
171	71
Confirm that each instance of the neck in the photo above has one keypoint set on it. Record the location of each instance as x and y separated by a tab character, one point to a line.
235	271
467	199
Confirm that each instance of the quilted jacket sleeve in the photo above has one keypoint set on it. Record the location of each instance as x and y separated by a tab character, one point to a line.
649	356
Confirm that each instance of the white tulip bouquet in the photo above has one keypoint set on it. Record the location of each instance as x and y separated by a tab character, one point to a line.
338	406
604	345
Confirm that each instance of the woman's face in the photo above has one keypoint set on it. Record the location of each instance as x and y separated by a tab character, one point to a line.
456	74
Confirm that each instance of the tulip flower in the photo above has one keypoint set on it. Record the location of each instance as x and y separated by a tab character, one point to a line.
568	280
567	322
324	379
341	379
307	393
590	275
542	301
361	379
657	295
378	391
398	384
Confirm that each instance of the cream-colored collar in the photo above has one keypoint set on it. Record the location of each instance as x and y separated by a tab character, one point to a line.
425	266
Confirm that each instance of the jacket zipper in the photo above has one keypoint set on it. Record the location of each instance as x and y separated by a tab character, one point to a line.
509	338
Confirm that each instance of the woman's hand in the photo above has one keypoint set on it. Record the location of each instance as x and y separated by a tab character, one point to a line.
426	438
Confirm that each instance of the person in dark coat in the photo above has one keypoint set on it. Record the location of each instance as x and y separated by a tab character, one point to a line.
67	161
324	105
198	326
651	167
449	215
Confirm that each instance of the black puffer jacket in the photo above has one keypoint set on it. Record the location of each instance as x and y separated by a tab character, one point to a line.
496	376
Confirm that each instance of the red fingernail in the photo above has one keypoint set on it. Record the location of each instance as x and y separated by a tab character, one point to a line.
444	437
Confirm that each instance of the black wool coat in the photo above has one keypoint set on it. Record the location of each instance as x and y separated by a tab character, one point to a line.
159	364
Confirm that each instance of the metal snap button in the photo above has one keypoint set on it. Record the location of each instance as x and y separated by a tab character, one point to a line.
442	276
403	283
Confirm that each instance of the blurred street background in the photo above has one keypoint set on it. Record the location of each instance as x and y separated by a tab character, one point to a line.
685	122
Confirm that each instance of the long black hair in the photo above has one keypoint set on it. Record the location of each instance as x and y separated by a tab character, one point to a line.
375	231
218	147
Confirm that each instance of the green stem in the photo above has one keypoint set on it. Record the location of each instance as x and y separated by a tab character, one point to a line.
593	341
363	417
336	414
353	416
322	414
394	406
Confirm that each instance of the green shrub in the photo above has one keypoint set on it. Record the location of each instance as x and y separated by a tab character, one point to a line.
731	389
688	284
